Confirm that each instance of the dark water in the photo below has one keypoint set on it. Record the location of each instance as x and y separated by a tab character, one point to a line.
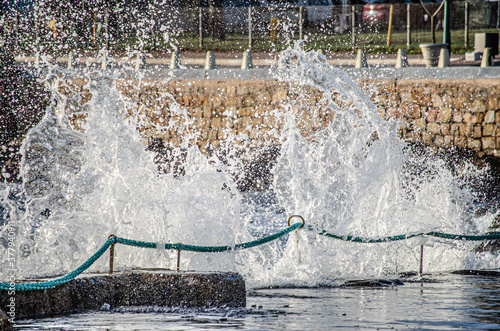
438	302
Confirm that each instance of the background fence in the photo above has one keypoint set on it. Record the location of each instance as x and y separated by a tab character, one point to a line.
158	26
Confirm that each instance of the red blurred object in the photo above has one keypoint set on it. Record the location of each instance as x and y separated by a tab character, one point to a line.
375	12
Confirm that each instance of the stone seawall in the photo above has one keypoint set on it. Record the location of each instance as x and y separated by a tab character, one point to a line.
440	113
443	113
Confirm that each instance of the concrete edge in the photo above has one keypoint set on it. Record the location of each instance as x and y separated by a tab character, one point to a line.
138	288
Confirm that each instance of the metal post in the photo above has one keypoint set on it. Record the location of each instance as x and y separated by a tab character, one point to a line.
408	26
250	41
446	25
111	255
421	266
179	248
353	26
466	32
301	22
200	17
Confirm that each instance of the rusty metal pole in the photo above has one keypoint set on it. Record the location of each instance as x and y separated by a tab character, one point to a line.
111	255
421	266
179	249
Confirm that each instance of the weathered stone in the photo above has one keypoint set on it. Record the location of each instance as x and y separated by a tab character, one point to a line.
212	135
414	136
448	141
231	90
437	101
216	122
444	115
427	137
457	116
263	97
406	97
470	118
455	129
478	131
445	129
478	106
460	102
489	117
489	130
460	141
488	143
474	144
433	128
439	141
419	124
432	114
164	288
493	102
424	99
279	96
497	118
480	117
466	130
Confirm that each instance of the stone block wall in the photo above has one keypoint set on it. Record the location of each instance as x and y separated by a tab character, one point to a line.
443	113
210	111
440	113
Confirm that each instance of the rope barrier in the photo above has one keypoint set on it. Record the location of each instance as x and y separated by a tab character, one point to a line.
112	240
61	280
408	236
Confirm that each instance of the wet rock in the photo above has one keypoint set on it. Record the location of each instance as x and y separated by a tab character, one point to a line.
4	322
138	288
372	283
487	273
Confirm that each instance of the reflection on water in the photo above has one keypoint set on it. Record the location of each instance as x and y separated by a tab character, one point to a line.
440	302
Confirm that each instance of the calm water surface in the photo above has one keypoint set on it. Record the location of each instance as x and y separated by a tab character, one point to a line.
439	302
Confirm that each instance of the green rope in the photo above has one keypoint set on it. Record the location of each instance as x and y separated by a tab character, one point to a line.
211	249
61	280
408	236
72	275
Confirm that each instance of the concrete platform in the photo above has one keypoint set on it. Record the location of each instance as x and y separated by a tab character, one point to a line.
137	288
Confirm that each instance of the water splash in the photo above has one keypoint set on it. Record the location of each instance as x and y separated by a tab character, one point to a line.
352	176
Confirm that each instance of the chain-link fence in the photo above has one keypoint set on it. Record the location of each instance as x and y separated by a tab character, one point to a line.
160	25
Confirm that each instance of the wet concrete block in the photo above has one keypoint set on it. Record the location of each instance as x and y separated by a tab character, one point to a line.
138	288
